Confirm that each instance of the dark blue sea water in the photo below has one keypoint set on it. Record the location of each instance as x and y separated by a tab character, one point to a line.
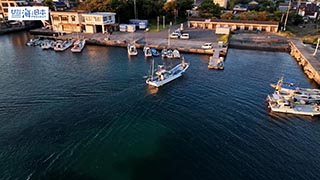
91	116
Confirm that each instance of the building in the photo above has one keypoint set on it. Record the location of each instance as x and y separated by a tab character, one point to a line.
4	7
66	21
242	25
222	3
98	22
284	7
308	10
5	4
239	8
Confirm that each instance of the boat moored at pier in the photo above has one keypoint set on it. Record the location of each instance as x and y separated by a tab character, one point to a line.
279	104
63	45
78	45
132	50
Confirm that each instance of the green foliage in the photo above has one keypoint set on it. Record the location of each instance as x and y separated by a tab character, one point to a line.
297	19
208	9
224	38
48	3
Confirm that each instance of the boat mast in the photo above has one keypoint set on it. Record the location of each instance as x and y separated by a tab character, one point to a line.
315	51
152	69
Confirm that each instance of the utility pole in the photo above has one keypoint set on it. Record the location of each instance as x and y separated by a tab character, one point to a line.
158	21
285	22
169	34
315	51
163	22
135	9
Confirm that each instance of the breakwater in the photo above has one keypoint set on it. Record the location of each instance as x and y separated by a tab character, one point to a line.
310	64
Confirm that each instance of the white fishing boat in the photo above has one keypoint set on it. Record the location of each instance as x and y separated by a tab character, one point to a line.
169	54
47	45
78	45
164	53
290	87
154	52
163	76
132	50
279	104
302	97
216	63
176	54
147	51
63	45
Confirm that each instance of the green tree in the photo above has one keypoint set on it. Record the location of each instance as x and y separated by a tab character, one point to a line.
170	8
183	6
209	9
49	3
226	15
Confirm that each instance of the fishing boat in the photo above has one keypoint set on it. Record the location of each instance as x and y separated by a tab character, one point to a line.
48	44
78	45
163	76
216	63
164	53
63	45
154	52
279	104
132	50
290	86
169	54
33	42
176	54
147	51
300	96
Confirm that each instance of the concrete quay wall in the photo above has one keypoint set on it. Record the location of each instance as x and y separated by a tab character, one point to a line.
264	42
310	64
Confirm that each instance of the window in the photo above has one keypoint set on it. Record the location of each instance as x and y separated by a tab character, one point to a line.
73	18
5	4
12	5
56	18
89	19
97	19
64	18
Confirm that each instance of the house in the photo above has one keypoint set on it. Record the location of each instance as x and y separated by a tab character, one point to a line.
222	3
66	21
5	4
284	7
238	8
308	10
99	22
253	5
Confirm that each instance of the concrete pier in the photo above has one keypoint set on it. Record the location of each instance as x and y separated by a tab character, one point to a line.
304	55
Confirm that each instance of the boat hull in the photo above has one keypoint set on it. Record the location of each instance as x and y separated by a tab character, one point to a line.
156	82
291	108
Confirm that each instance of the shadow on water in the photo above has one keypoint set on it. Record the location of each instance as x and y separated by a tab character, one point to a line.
65	175
161	165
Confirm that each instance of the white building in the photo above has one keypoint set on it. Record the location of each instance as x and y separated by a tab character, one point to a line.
98	22
66	21
5	4
222	3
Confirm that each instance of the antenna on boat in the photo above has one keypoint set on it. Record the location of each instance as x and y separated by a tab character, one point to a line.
152	69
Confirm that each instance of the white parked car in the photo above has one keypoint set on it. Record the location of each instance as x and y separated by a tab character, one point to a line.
207	46
174	36
184	36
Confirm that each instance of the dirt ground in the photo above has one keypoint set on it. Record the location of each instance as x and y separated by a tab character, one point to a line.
305	29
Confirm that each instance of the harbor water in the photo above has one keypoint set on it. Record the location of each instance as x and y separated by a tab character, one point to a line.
92	116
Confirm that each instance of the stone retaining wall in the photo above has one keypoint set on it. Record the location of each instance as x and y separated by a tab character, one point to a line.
307	66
